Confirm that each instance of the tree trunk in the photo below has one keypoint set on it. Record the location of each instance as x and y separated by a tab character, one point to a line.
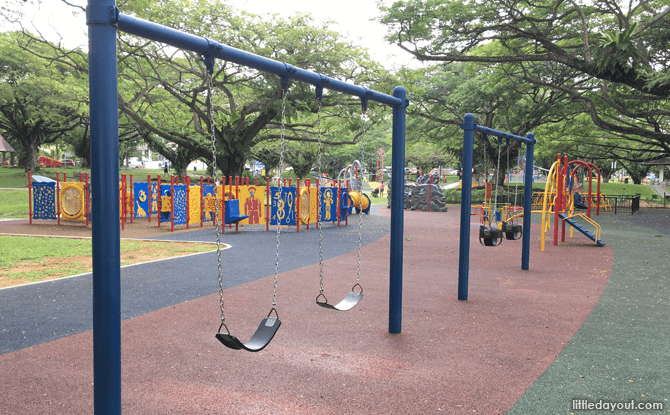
30	160
183	158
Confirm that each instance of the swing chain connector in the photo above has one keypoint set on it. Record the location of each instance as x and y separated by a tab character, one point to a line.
273	310
353	289
321	295
209	63
225	327
284	82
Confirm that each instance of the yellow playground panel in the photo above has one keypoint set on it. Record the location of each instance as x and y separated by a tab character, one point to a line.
73	201
253	203
194	207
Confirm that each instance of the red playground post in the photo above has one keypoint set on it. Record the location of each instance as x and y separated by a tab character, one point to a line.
297	206
87	190
30	198
223	204
267	204
57	198
123	201
159	200
558	199
149	196
230	196
202	202
187	182
172	203
132	195
237	196
308	184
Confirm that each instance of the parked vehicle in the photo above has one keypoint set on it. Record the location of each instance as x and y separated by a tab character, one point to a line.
46	161
135	163
67	162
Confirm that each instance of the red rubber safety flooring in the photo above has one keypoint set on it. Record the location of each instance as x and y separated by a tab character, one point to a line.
455	357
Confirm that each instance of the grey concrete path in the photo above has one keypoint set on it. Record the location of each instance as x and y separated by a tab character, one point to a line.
659	189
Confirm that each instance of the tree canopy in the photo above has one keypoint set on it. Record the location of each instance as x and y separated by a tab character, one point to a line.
40	101
609	57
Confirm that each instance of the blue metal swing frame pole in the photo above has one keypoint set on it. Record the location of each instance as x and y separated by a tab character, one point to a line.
469	127
103	18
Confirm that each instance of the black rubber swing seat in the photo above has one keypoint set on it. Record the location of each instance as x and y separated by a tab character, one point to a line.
489	236
512	231
261	338
349	302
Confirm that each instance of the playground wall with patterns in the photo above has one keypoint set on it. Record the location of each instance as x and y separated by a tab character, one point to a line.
191	204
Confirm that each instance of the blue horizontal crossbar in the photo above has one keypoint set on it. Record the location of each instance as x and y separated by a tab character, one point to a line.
486	130
204	46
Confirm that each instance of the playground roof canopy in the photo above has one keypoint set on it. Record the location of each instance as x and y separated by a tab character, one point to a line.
4	146
665	161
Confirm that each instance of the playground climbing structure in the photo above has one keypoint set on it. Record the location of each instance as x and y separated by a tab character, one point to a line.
563	200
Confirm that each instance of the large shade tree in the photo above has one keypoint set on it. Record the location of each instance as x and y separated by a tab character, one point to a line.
609	57
165	90
41	101
443	94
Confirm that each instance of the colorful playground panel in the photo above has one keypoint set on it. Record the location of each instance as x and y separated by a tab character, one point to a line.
193	203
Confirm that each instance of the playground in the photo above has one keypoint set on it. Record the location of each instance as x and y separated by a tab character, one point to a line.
577	322
527	342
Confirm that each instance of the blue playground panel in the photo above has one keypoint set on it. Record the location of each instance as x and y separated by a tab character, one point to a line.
282	207
44	200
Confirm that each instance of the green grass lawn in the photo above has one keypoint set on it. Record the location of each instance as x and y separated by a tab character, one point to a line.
25	248
617	189
13	177
13	204
21	255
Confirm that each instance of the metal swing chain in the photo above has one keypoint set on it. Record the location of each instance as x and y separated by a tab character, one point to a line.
495	201
318	214
486	175
360	215
210	110
281	164
516	184
509	149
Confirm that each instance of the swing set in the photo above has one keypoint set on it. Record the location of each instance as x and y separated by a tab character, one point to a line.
103	20
491	235
505	226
